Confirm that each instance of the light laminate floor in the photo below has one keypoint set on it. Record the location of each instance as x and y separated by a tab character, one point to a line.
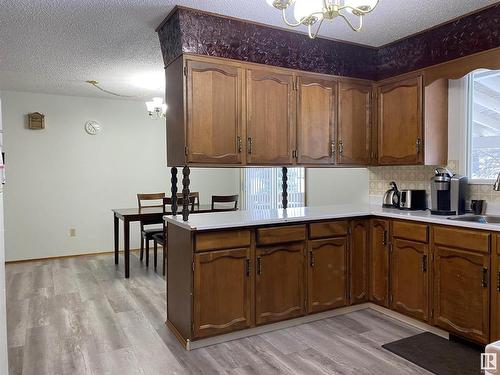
80	316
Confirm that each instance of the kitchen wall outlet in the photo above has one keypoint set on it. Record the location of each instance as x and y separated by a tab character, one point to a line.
72	232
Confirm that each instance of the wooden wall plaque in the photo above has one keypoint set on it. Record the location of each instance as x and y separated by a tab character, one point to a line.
36	121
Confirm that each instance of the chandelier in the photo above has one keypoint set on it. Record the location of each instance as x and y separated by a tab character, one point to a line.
156	108
312	13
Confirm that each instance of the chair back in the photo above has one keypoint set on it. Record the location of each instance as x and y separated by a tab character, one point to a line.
224	202
194	194
149	200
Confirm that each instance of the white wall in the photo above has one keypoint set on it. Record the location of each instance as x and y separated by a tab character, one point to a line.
61	178
336	186
3	314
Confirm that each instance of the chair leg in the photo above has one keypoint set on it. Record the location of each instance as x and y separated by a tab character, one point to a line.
147	252
142	247
156	254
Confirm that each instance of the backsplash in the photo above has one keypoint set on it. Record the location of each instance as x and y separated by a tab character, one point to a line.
419	177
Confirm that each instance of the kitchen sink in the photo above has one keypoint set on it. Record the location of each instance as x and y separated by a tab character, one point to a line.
484	219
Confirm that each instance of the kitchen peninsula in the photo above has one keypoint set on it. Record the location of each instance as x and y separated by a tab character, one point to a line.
247	270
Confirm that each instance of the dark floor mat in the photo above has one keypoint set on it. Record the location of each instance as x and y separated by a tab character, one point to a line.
438	355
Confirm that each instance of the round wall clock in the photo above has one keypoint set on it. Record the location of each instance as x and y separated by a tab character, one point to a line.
92	127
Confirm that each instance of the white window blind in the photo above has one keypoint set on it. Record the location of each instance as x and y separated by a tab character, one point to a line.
484	125
261	188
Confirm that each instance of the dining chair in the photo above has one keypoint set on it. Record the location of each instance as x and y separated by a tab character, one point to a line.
161	238
224	202
194	194
148	228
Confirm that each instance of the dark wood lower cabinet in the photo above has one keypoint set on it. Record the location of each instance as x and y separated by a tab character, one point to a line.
461	299
223	284
280	282
495	291
327	274
358	261
379	262
409	278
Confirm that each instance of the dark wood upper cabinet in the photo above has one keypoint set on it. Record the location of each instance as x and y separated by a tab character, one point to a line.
409	278
400	135
316	115
327	275
358	259
270	108
379	262
461	292
222	298
280	282
354	123
214	113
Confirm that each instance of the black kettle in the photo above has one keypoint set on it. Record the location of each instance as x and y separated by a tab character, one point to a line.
391	196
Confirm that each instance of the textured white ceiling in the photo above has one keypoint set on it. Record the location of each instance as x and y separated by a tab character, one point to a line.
53	46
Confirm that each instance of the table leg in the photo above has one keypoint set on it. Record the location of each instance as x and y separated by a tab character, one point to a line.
126	240
117	237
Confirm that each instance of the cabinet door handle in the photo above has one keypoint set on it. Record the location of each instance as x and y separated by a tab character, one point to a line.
484	281
238	144
424	263
259	266
418	144
332	149
384	238
250	144
311	258
341	148
248	267
498	281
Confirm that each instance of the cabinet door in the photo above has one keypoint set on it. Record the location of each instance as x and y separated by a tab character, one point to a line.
317	101
461	293
495	293
270	118
409	278
214	101
327	274
358	258
280	281
379	262
400	122
354	126
222	292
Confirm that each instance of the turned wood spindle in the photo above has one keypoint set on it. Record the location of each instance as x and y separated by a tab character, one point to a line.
285	187
185	193
173	181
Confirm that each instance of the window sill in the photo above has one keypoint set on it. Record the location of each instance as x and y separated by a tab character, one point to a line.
481	182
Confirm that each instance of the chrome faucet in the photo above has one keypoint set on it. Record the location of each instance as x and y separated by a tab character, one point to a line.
496	186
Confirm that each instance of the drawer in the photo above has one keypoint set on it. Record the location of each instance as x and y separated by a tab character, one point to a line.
462	239
410	231
205	241
328	229
289	233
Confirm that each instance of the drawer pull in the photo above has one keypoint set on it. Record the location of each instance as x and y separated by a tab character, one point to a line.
250	145
484	281
259	266
384	238
238	144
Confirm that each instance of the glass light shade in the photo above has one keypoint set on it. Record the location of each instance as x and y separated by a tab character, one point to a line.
304	8
150	106
163	108
158	101
270	2
361	4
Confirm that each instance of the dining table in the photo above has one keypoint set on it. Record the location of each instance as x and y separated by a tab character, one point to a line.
149	214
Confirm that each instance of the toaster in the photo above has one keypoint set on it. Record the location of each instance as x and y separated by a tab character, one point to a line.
413	200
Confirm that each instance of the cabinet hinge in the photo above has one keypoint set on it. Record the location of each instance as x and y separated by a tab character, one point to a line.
193	266
390	299
186	150
432	313
185	70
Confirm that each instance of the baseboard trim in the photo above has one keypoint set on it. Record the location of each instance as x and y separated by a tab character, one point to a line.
191	345
66	256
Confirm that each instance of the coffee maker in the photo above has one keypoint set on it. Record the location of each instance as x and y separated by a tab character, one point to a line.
448	192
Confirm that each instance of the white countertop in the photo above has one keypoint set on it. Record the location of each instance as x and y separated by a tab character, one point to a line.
235	219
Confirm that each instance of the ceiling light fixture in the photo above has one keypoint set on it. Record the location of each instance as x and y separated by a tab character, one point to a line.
156	108
313	12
